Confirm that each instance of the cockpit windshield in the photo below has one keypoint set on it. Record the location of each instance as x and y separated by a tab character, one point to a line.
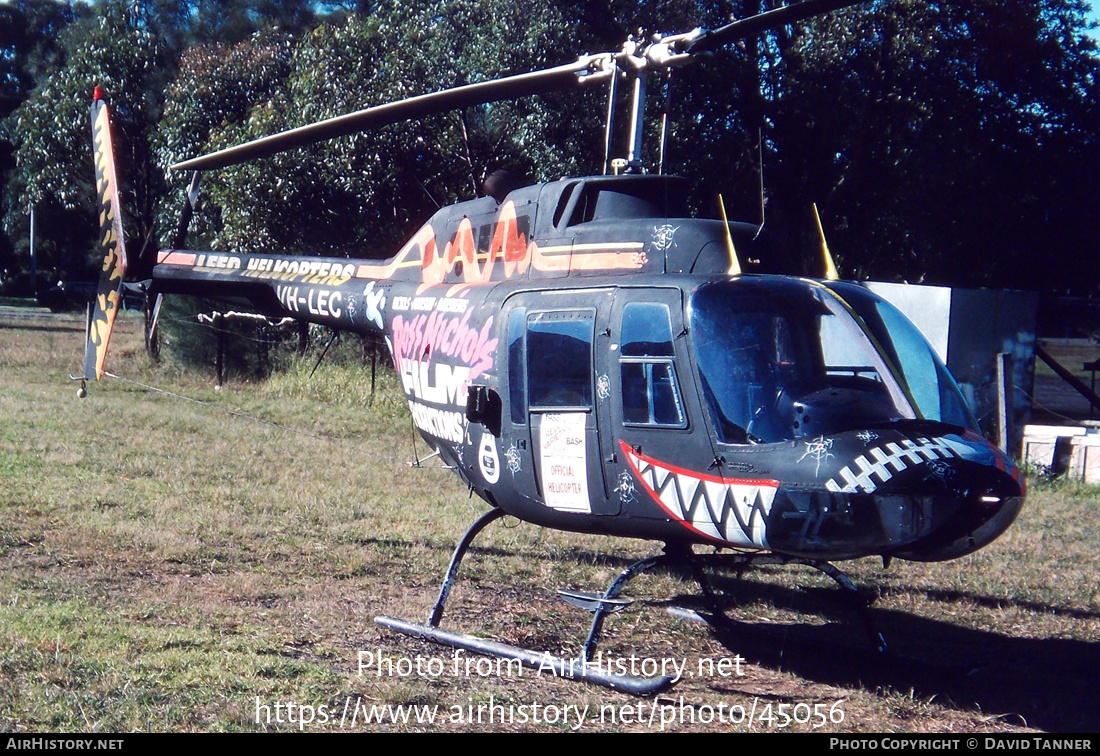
787	359
930	386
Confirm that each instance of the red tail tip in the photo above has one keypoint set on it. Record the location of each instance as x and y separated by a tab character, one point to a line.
97	93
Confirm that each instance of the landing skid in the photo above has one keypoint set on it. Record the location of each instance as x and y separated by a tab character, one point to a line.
545	663
675	558
577	669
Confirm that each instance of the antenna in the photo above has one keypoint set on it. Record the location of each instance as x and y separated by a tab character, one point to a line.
735	264
611	91
831	273
760	171
664	121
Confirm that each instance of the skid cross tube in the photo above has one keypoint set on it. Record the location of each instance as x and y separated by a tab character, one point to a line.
742	562
613	592
456	559
574	669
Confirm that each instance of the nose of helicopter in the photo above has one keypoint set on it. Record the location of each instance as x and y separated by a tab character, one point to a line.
920	492
990	495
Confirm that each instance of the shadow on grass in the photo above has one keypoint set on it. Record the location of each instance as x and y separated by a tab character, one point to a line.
1049	683
949	597
1044	683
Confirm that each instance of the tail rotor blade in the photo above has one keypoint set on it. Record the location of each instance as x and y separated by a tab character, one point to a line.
108	296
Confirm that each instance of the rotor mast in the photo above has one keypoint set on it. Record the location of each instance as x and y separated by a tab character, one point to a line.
638	59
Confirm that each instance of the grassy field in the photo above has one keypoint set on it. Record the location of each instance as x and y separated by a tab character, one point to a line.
215	562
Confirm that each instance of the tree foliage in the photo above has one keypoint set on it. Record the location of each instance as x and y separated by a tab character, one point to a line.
54	53
947	142
365	193
53	134
214	92
30	49
29	46
933	145
935	136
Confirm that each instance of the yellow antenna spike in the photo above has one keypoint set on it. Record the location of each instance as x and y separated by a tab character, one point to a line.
830	268
735	264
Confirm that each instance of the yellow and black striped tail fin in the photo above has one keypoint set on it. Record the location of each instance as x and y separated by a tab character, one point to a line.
108	296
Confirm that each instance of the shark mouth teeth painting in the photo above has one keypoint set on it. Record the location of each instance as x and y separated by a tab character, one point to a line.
726	509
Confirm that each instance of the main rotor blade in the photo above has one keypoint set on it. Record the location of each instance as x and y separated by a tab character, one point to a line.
753	25
587	69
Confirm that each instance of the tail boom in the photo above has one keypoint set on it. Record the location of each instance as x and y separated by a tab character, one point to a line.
336	292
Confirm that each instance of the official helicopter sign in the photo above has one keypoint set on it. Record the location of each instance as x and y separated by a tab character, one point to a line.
587	356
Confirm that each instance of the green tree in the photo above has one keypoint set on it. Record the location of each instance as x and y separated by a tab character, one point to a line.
214	91
949	123
363	195
29	45
53	135
946	142
29	50
950	142
132	49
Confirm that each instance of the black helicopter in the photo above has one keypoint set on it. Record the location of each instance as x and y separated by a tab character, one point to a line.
588	357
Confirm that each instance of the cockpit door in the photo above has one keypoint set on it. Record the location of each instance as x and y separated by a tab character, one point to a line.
653	405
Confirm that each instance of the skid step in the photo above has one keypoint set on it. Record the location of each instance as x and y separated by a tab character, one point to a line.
593	602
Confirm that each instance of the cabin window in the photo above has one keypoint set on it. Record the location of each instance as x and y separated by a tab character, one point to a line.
650	392
628	198
485	238
559	359
647	330
563	203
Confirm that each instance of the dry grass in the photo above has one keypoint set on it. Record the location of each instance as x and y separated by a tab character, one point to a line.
167	565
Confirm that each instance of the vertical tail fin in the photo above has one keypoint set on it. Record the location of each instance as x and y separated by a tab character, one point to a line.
108	297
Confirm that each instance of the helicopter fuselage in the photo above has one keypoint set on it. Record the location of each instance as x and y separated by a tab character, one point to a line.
582	359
